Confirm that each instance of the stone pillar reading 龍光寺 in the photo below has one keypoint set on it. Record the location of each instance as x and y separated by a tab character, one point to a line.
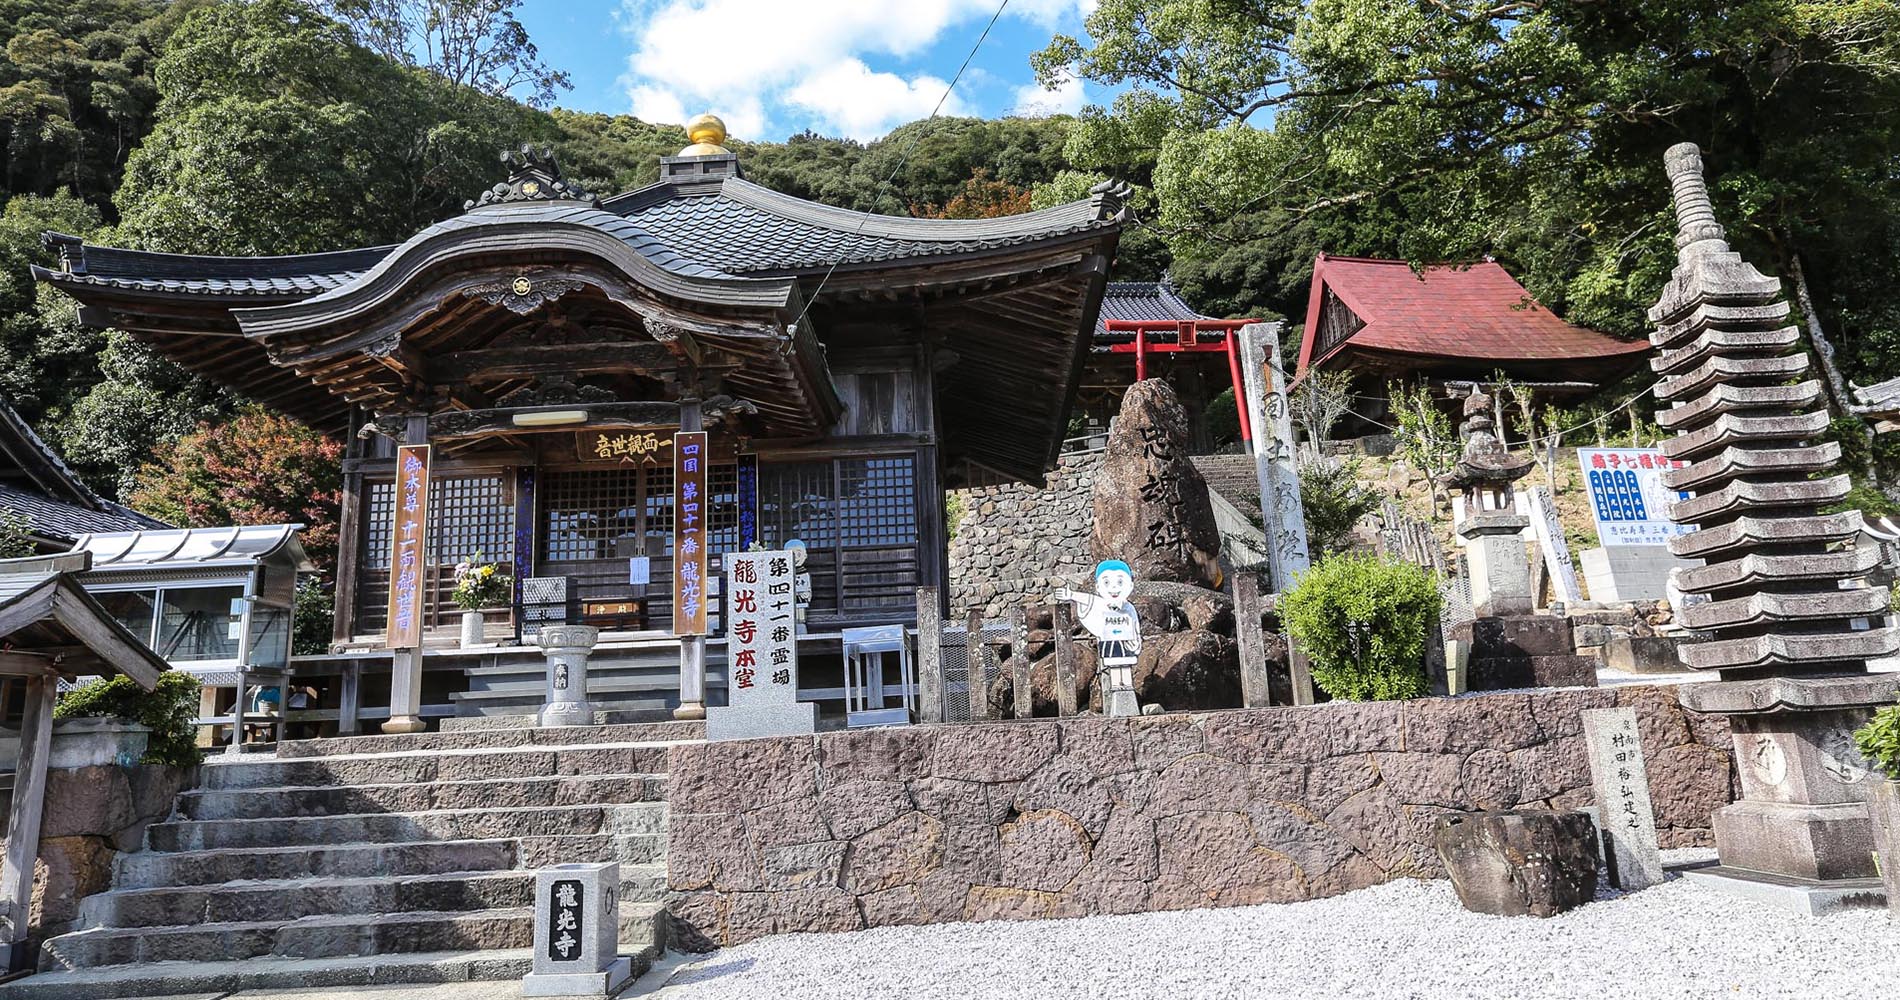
1789	621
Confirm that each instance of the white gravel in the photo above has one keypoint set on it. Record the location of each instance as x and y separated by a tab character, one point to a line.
1406	939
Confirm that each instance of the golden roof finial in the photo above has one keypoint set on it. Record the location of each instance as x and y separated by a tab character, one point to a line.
708	134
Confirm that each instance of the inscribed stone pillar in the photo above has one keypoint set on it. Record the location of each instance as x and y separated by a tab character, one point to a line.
577	932
1789	618
566	648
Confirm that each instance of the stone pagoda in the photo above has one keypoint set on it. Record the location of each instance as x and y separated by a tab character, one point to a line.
1788	623
1511	645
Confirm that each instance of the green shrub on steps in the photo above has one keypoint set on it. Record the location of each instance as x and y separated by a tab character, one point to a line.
168	709
1362	622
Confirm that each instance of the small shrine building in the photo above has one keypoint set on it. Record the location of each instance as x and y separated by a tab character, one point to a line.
547	344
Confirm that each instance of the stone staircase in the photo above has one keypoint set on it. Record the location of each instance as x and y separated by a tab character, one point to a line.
638	679
370	860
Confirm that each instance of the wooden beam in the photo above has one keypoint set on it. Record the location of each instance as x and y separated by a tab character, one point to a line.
23	818
486	423
553	359
26	664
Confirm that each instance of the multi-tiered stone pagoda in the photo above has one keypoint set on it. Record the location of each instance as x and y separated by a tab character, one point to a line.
1789	621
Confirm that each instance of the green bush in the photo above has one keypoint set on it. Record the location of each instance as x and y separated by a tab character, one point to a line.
1362	622
168	709
1879	741
312	620
1333	501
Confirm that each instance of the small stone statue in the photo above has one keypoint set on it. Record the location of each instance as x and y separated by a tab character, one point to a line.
1117	630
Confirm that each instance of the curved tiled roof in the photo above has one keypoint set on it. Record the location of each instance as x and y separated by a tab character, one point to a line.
729	229
1475	311
55	503
1141	302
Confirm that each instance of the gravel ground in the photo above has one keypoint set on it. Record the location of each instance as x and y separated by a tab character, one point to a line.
1406	939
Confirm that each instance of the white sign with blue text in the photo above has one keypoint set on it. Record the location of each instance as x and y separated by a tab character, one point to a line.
1627	498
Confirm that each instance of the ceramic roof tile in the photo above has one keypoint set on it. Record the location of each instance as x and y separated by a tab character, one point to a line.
1470	311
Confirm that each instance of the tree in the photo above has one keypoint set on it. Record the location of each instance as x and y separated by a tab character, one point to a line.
472	43
1426	437
1318	403
276	134
258	468
1447	129
980	197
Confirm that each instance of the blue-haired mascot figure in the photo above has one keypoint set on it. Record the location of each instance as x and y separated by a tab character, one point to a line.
1117	630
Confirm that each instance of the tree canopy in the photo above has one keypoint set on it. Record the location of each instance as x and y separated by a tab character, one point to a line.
1530	130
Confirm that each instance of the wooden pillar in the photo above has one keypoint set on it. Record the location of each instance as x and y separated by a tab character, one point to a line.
405	668
1254	690
929	656
1062	620
692	647
973	671
1302	673
1020	681
349	556
23	816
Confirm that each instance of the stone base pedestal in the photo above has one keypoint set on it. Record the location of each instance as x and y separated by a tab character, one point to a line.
1500	571
566	647
1120	703
1522	651
578	984
1803	812
754	722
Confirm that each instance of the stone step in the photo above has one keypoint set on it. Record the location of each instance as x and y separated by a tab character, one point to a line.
643	818
529	720
527	734
152	869
294	899
197	979
328	936
434	765
337	800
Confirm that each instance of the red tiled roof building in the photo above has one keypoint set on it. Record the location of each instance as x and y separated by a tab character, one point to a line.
1380	318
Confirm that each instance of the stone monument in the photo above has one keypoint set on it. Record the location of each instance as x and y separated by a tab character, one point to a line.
1788	624
1625	816
577	932
1511	647
761	651
566	648
1151	505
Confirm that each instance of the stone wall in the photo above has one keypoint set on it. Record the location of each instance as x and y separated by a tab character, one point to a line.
1015	543
92	814
927	824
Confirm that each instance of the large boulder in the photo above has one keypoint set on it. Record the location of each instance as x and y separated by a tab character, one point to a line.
1151	506
1525	862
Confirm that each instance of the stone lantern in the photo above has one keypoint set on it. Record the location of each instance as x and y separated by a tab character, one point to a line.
1789	621
1493	529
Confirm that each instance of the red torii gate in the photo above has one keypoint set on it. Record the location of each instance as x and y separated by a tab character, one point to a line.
1188	340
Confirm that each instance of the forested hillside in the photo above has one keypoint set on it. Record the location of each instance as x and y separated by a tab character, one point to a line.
1256	137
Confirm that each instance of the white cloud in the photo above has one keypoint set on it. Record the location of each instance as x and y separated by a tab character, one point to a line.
864	104
1033	101
763	64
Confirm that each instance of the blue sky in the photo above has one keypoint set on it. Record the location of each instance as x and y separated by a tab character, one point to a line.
774	67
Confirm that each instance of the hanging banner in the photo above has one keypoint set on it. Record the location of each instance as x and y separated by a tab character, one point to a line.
748	481
408	545
1627	498
689	533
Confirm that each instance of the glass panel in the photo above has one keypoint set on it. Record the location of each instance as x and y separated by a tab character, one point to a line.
132	609
270	636
197	624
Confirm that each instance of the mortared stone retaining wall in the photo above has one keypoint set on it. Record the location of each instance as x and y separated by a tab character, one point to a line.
1047	818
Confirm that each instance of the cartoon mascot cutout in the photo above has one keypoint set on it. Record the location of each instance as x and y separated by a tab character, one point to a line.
1117	630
